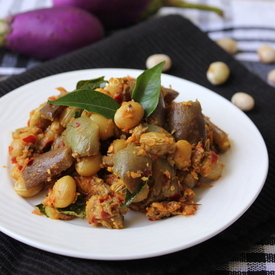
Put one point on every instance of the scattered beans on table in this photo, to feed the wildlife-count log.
(271, 77)
(218, 73)
(157, 58)
(228, 44)
(243, 101)
(266, 54)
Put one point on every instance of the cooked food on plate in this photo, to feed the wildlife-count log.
(117, 145)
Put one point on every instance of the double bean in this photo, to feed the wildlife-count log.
(182, 154)
(128, 115)
(21, 190)
(88, 166)
(106, 126)
(64, 192)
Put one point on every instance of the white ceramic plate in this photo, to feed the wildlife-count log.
(221, 205)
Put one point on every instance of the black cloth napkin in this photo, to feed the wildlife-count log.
(191, 52)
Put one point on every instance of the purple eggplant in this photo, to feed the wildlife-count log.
(50, 111)
(220, 138)
(49, 32)
(132, 167)
(43, 167)
(122, 13)
(186, 121)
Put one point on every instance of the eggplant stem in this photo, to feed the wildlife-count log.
(186, 5)
(4, 31)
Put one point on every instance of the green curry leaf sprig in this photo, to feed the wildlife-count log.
(91, 84)
(146, 92)
(147, 89)
(131, 196)
(89, 100)
(76, 209)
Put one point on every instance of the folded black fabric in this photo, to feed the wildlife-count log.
(191, 52)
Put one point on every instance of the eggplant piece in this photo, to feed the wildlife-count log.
(220, 138)
(187, 179)
(42, 168)
(132, 168)
(50, 111)
(169, 95)
(68, 114)
(211, 166)
(185, 120)
(82, 135)
(165, 179)
(164, 184)
(37, 120)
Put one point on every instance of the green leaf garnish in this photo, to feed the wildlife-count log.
(41, 208)
(91, 84)
(147, 89)
(92, 101)
(146, 92)
(131, 196)
(75, 209)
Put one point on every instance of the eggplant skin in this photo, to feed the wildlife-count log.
(220, 138)
(50, 111)
(51, 32)
(82, 135)
(128, 162)
(186, 121)
(42, 168)
(116, 13)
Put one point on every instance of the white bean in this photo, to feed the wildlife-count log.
(64, 192)
(16, 148)
(243, 101)
(117, 145)
(155, 59)
(21, 190)
(182, 154)
(271, 77)
(228, 44)
(266, 54)
(128, 115)
(88, 166)
(106, 126)
(217, 73)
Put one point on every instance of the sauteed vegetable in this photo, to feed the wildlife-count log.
(116, 145)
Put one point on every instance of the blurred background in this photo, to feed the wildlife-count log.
(250, 22)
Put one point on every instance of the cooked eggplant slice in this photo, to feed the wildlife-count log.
(165, 179)
(185, 120)
(43, 167)
(82, 135)
(164, 184)
(50, 111)
(220, 138)
(169, 95)
(132, 167)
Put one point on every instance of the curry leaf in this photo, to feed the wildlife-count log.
(75, 209)
(91, 83)
(147, 89)
(92, 101)
(131, 196)
(41, 208)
